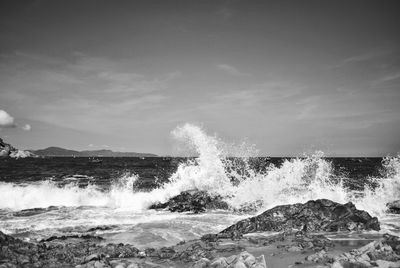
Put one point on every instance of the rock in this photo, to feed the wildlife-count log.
(202, 263)
(60, 252)
(219, 263)
(317, 257)
(295, 249)
(242, 260)
(387, 264)
(133, 265)
(315, 215)
(6, 150)
(337, 264)
(194, 201)
(240, 264)
(93, 257)
(377, 253)
(393, 207)
(33, 211)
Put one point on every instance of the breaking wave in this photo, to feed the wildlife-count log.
(214, 171)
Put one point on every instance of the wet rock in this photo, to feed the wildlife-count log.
(33, 211)
(393, 207)
(61, 252)
(381, 253)
(101, 228)
(65, 237)
(193, 201)
(315, 215)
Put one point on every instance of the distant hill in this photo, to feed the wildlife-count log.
(61, 152)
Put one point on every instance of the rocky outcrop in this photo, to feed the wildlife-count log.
(315, 215)
(6, 150)
(60, 252)
(242, 260)
(380, 253)
(393, 207)
(193, 201)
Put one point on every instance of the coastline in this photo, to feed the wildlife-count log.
(287, 248)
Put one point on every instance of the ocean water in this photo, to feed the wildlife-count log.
(111, 198)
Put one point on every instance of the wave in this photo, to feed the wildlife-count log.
(295, 180)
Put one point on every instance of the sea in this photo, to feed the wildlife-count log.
(110, 197)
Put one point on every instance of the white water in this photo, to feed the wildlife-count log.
(296, 180)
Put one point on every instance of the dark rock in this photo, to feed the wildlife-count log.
(33, 211)
(101, 228)
(318, 215)
(65, 237)
(393, 207)
(58, 252)
(194, 201)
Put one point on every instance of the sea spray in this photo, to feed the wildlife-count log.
(383, 189)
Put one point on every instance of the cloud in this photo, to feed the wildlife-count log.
(229, 69)
(6, 120)
(26, 127)
(361, 58)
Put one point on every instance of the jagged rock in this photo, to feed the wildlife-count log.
(315, 215)
(194, 201)
(65, 237)
(56, 252)
(381, 253)
(394, 207)
(242, 260)
(6, 150)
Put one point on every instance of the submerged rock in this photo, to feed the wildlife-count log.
(194, 201)
(394, 207)
(315, 215)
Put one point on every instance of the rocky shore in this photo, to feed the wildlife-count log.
(7, 150)
(284, 236)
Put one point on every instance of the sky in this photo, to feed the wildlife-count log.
(288, 76)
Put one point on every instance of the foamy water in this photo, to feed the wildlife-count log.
(296, 180)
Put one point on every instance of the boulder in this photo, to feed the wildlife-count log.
(192, 201)
(312, 216)
(242, 260)
(393, 207)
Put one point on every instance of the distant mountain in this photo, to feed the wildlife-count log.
(60, 152)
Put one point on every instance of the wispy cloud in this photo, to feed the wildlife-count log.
(229, 69)
(359, 58)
